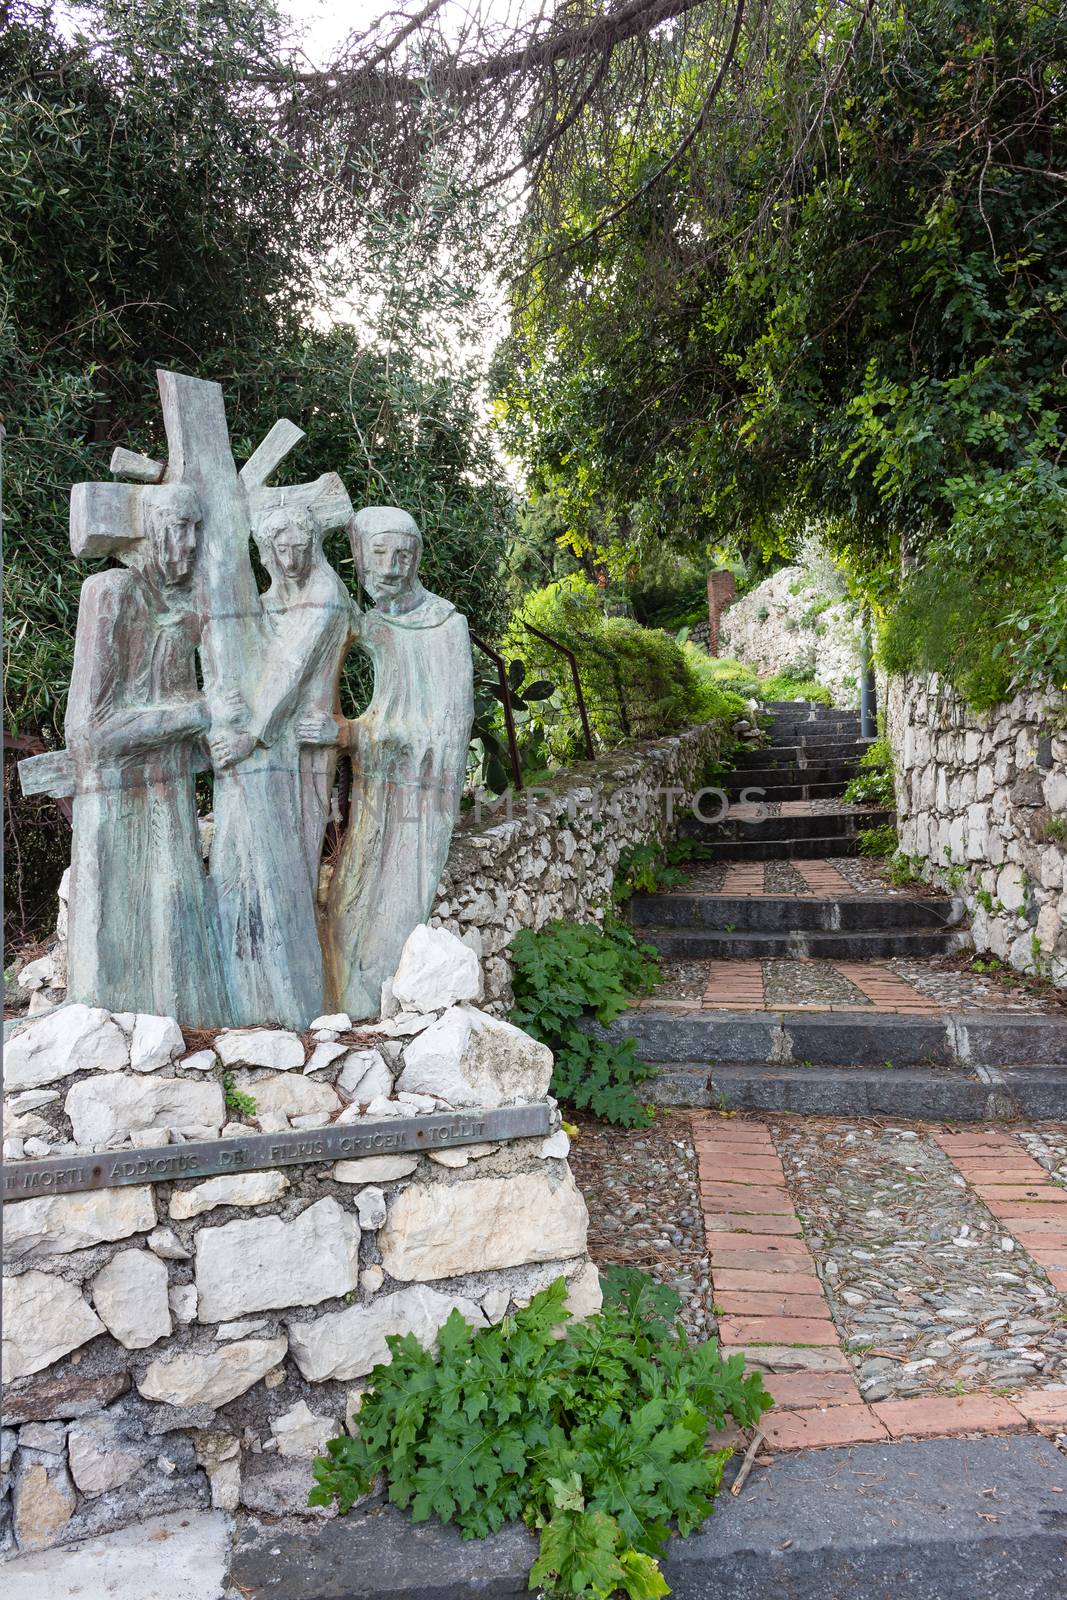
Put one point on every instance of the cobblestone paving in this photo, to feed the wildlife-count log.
(930, 1294)
(796, 982)
(781, 877)
(682, 980)
(867, 876)
(958, 990)
(644, 1207)
(1049, 1147)
(703, 877)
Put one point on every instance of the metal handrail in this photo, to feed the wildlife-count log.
(505, 695)
(579, 696)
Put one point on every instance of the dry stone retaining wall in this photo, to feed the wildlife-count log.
(557, 855)
(192, 1341)
(982, 798)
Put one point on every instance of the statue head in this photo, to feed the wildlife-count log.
(387, 547)
(286, 536)
(171, 519)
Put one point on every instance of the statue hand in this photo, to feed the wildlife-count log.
(318, 727)
(230, 745)
(234, 709)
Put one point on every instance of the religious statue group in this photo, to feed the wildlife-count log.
(182, 666)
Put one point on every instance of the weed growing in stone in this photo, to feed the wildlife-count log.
(595, 1439)
(567, 974)
(234, 1099)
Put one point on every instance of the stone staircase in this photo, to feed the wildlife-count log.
(796, 978)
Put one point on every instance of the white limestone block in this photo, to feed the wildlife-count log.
(375, 1169)
(324, 1055)
(472, 1059)
(365, 1076)
(238, 1189)
(265, 1262)
(282, 1096)
(106, 1110)
(101, 1458)
(438, 1230)
(156, 1042)
(211, 1377)
(436, 970)
(55, 1224)
(300, 1432)
(130, 1295)
(45, 1317)
(260, 1047)
(347, 1344)
(73, 1038)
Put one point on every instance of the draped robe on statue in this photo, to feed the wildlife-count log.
(409, 754)
(270, 819)
(143, 928)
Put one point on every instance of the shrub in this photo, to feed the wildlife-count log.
(784, 686)
(596, 1438)
(637, 682)
(879, 841)
(873, 785)
(567, 972)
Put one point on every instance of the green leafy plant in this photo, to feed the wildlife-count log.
(596, 1439)
(530, 698)
(904, 869)
(878, 841)
(873, 784)
(787, 686)
(567, 973)
(235, 1099)
(644, 868)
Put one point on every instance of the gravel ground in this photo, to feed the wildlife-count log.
(929, 1293)
(868, 875)
(959, 990)
(702, 877)
(796, 982)
(644, 1207)
(781, 877)
(682, 980)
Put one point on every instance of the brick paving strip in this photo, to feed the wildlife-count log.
(870, 985)
(767, 1289)
(1018, 1191)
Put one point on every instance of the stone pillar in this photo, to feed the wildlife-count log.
(722, 587)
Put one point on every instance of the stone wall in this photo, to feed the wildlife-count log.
(982, 800)
(791, 622)
(170, 1344)
(558, 853)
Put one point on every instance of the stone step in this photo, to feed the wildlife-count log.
(865, 1521)
(866, 1039)
(704, 944)
(913, 1093)
(809, 753)
(785, 913)
(805, 849)
(771, 792)
(806, 708)
(787, 730)
(817, 824)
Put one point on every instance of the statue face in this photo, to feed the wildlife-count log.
(388, 564)
(293, 548)
(175, 547)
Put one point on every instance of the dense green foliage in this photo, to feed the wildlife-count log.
(150, 216)
(638, 682)
(873, 784)
(596, 1438)
(845, 303)
(570, 973)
